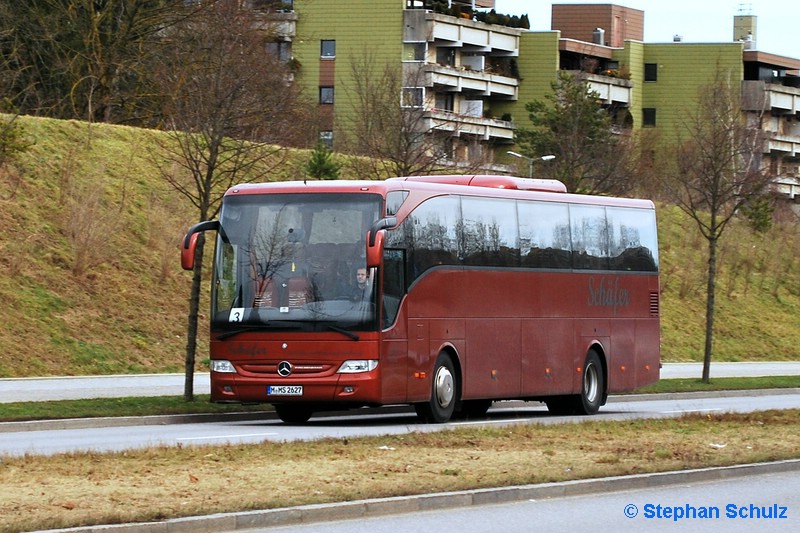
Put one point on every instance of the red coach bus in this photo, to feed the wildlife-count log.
(443, 292)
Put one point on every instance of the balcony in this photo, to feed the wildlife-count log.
(779, 99)
(444, 30)
(458, 125)
(282, 23)
(611, 90)
(788, 144)
(460, 79)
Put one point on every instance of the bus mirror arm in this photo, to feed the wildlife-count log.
(386, 222)
(190, 242)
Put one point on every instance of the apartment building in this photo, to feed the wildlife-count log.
(470, 77)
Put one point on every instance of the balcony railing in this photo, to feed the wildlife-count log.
(611, 90)
(485, 128)
(762, 96)
(480, 81)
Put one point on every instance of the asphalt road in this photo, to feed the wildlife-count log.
(105, 435)
(73, 388)
(765, 503)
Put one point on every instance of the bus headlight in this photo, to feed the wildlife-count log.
(358, 366)
(222, 365)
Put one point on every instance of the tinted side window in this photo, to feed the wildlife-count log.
(430, 234)
(589, 237)
(488, 233)
(633, 242)
(544, 235)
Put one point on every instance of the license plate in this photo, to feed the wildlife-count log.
(285, 390)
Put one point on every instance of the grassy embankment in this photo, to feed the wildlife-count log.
(91, 282)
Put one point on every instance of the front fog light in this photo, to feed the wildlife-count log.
(223, 366)
(357, 366)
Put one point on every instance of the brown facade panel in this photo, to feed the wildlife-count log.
(579, 22)
(325, 117)
(327, 73)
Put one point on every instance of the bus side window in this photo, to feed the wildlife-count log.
(394, 284)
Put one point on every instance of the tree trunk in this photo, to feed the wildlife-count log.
(710, 303)
(194, 310)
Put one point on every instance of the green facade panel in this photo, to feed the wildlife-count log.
(362, 29)
(682, 70)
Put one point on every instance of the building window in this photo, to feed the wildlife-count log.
(326, 95)
(414, 51)
(413, 97)
(327, 48)
(650, 72)
(326, 138)
(649, 117)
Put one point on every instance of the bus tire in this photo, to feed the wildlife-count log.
(292, 413)
(444, 393)
(592, 385)
(473, 409)
(591, 395)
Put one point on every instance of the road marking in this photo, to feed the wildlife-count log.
(240, 436)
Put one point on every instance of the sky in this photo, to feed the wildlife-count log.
(697, 21)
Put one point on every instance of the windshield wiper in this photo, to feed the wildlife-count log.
(244, 328)
(344, 332)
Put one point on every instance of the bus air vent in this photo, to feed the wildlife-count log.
(654, 304)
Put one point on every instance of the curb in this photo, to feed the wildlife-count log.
(307, 514)
(159, 420)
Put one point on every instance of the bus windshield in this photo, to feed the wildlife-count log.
(295, 262)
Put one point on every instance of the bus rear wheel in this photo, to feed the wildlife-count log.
(444, 393)
(293, 414)
(592, 384)
(591, 395)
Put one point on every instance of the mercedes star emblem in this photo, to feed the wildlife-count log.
(284, 368)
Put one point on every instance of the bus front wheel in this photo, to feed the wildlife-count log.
(293, 414)
(444, 393)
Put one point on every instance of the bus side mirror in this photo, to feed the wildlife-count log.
(375, 238)
(375, 249)
(189, 245)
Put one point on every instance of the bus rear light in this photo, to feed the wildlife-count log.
(223, 366)
(358, 366)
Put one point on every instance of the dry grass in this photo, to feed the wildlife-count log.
(90, 488)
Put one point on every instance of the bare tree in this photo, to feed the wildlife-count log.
(228, 103)
(719, 170)
(81, 58)
(390, 127)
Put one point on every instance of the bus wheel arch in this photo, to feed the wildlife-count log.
(445, 389)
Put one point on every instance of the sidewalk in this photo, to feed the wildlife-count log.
(120, 386)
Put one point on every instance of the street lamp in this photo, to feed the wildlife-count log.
(531, 160)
